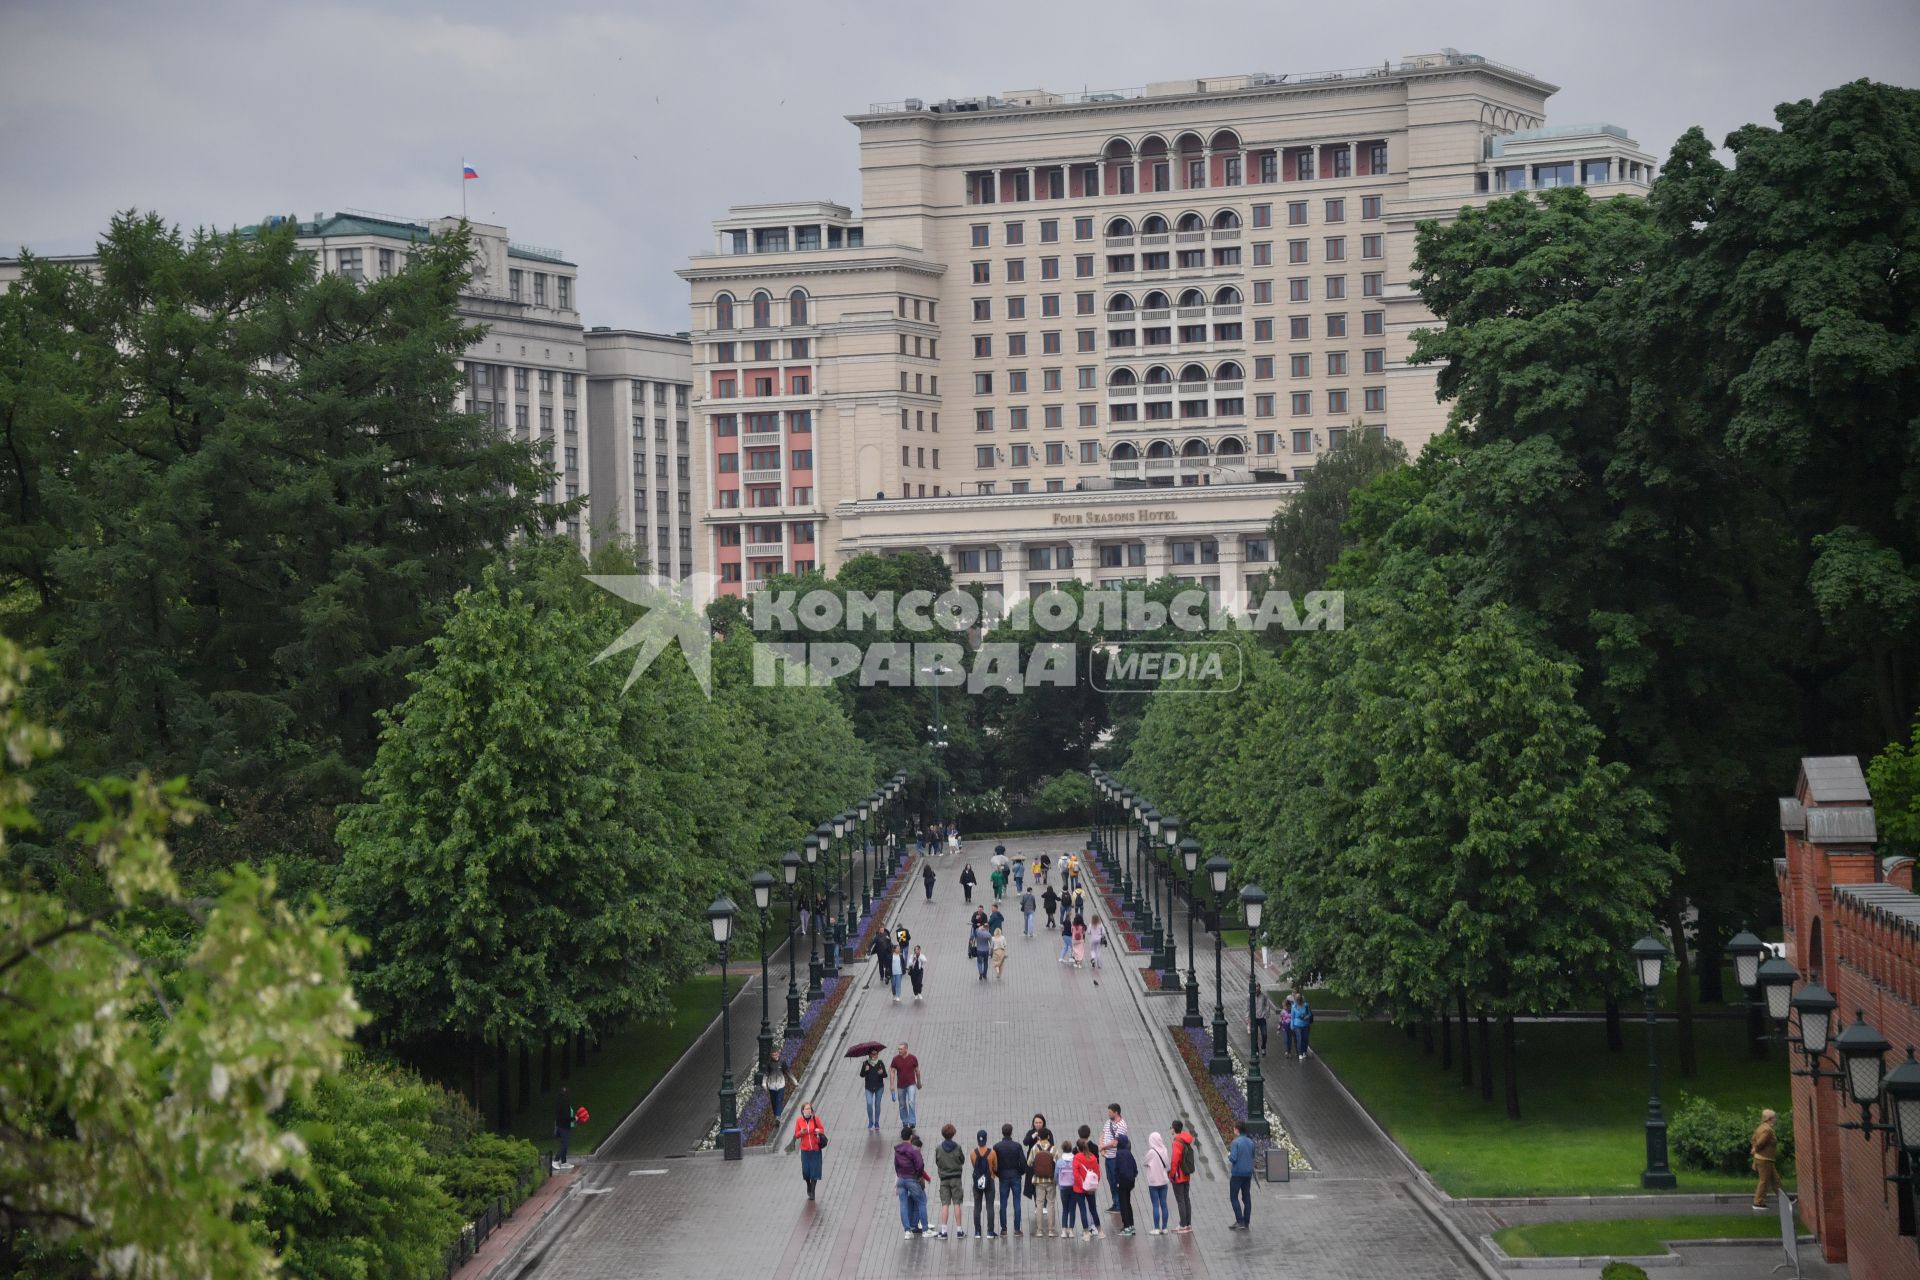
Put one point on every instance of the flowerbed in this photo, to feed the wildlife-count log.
(1156, 981)
(1225, 1095)
(1124, 923)
(756, 1116)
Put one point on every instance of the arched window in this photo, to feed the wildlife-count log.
(1192, 298)
(1153, 225)
(1120, 302)
(1119, 227)
(1225, 220)
(1194, 373)
(1231, 447)
(1228, 369)
(1195, 449)
(762, 309)
(1227, 295)
(723, 311)
(1124, 452)
(1226, 140)
(1122, 377)
(1158, 376)
(1154, 301)
(1190, 222)
(1159, 449)
(797, 307)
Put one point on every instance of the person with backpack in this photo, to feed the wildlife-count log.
(812, 1137)
(1040, 1166)
(777, 1081)
(1010, 1167)
(983, 1187)
(917, 972)
(1063, 1184)
(1181, 1176)
(968, 880)
(1124, 1171)
(1159, 1173)
(881, 949)
(563, 1126)
(1086, 1184)
(1302, 1022)
(951, 1163)
(995, 919)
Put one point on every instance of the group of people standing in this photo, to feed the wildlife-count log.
(937, 838)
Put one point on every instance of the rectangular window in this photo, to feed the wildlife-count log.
(1336, 437)
(1296, 213)
(1595, 171)
(1302, 404)
(1297, 289)
(1049, 230)
(1016, 344)
(1336, 402)
(1376, 157)
(1052, 416)
(1263, 215)
(1050, 345)
(1300, 365)
(1084, 377)
(1262, 331)
(1375, 399)
(1336, 249)
(1017, 418)
(1303, 442)
(1336, 364)
(546, 380)
(1296, 251)
(1020, 455)
(1369, 207)
(1373, 322)
(1089, 451)
(1342, 162)
(1263, 442)
(1373, 361)
(1297, 328)
(1262, 291)
(1083, 304)
(539, 288)
(1083, 266)
(1553, 175)
(1337, 325)
(1089, 415)
(1263, 366)
(1336, 211)
(565, 285)
(1263, 406)
(1016, 233)
(1084, 340)
(1228, 257)
(1336, 288)
(983, 457)
(1016, 270)
(979, 230)
(982, 273)
(1016, 381)
(1016, 308)
(1049, 268)
(1083, 228)
(983, 308)
(1056, 454)
(983, 419)
(1371, 284)
(1049, 304)
(514, 278)
(1263, 253)
(1373, 246)
(983, 384)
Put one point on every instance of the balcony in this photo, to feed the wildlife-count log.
(760, 439)
(1227, 233)
(765, 475)
(1189, 237)
(778, 550)
(1119, 242)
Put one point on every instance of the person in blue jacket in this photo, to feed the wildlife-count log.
(1240, 1178)
(1302, 1021)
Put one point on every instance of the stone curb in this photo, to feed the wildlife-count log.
(1501, 1259)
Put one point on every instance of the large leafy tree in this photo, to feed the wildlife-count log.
(1309, 531)
(145, 1061)
(239, 503)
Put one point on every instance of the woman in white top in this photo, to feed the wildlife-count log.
(1096, 939)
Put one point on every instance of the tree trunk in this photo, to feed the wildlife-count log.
(1446, 1039)
(546, 1067)
(1712, 989)
(502, 1097)
(526, 1079)
(1426, 1036)
(1615, 1041)
(1682, 988)
(566, 1058)
(1466, 1043)
(1486, 1059)
(473, 1077)
(579, 1048)
(1511, 1067)
(1412, 1029)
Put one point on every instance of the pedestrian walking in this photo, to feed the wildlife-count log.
(563, 1126)
(777, 1082)
(1302, 1022)
(999, 946)
(995, 918)
(812, 1137)
(1051, 901)
(910, 1183)
(1027, 904)
(1240, 1177)
(998, 879)
(1086, 1183)
(806, 916)
(1040, 1174)
(1079, 902)
(906, 1085)
(1046, 867)
(881, 949)
(926, 1187)
(1066, 942)
(1125, 1172)
(968, 880)
(1110, 1135)
(1010, 1167)
(1262, 1015)
(1159, 1173)
(1035, 873)
(950, 1161)
(1765, 1149)
(1079, 943)
(873, 1073)
(900, 940)
(1019, 873)
(1181, 1176)
(1286, 1025)
(917, 972)
(983, 1187)
(953, 839)
(1096, 939)
(899, 971)
(1063, 1184)
(926, 878)
(981, 948)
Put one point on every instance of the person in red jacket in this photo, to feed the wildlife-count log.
(812, 1136)
(1086, 1181)
(1180, 1178)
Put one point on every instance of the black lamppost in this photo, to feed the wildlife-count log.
(830, 929)
(1219, 1064)
(938, 730)
(866, 854)
(1649, 955)
(1093, 814)
(1150, 840)
(1130, 881)
(720, 915)
(1170, 960)
(814, 972)
(763, 882)
(1190, 855)
(1253, 902)
(790, 871)
(1746, 951)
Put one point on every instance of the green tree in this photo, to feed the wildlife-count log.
(1309, 530)
(239, 503)
(141, 1094)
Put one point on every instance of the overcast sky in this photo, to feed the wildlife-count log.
(618, 132)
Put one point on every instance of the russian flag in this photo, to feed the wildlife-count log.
(466, 171)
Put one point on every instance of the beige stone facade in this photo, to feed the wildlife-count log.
(1051, 305)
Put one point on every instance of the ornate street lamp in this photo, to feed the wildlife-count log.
(830, 934)
(1190, 855)
(1649, 957)
(720, 915)
(1815, 1005)
(1863, 1063)
(1253, 902)
(790, 863)
(1746, 950)
(1129, 880)
(763, 882)
(1150, 893)
(867, 806)
(842, 827)
(1776, 978)
(1217, 870)
(814, 970)
(1902, 1087)
(1169, 960)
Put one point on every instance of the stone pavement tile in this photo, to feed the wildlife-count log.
(1044, 1039)
(507, 1236)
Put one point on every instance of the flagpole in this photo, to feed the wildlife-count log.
(463, 188)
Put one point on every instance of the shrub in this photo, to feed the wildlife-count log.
(486, 1166)
(1064, 798)
(1622, 1271)
(1708, 1139)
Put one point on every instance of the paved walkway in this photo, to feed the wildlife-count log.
(1046, 1039)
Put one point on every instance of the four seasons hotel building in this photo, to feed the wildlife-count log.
(1096, 335)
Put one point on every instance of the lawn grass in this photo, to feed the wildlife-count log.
(627, 1065)
(1582, 1108)
(1631, 1237)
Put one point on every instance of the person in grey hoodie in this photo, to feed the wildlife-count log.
(1028, 904)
